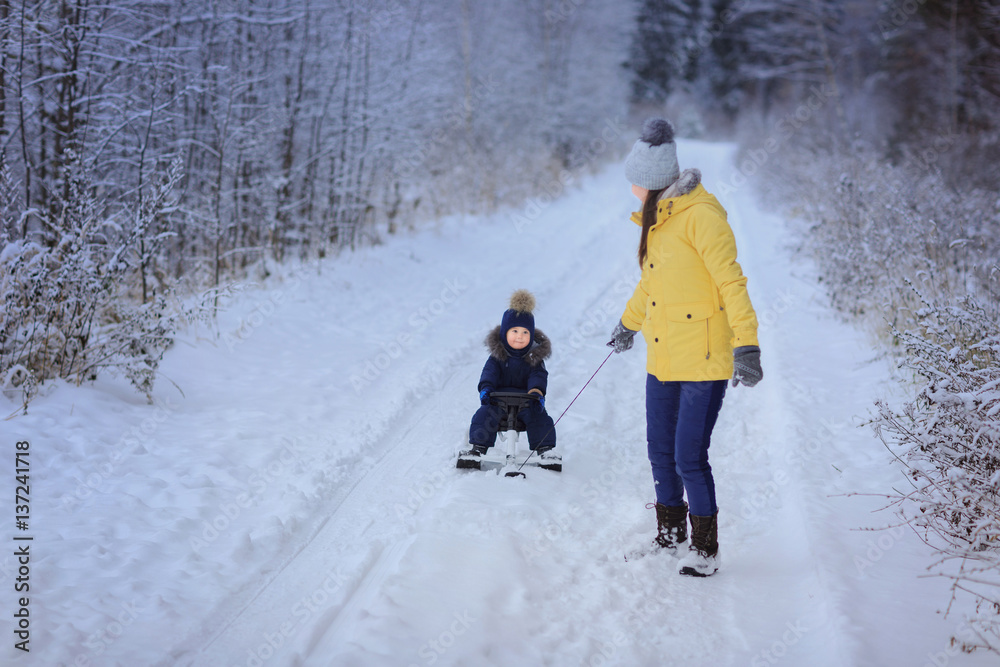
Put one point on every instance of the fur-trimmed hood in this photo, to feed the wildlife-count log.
(685, 184)
(540, 350)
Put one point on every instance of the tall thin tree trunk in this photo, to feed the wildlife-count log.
(340, 179)
(362, 187)
(23, 123)
(217, 205)
(143, 259)
(831, 72)
(4, 56)
(954, 76)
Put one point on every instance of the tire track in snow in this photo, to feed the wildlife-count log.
(332, 628)
(252, 620)
(230, 615)
(780, 503)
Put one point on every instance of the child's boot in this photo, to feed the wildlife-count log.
(549, 458)
(471, 458)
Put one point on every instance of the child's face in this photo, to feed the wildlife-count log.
(518, 337)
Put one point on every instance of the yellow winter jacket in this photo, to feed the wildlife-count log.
(691, 303)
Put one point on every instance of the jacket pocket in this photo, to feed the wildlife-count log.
(688, 312)
(687, 334)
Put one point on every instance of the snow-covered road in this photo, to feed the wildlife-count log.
(298, 505)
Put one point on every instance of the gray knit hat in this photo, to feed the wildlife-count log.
(652, 164)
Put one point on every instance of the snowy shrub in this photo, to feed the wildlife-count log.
(66, 308)
(872, 224)
(948, 441)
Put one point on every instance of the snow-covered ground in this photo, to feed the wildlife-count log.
(298, 503)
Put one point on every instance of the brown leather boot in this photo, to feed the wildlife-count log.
(671, 526)
(702, 559)
(671, 531)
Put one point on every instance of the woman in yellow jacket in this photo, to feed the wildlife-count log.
(692, 307)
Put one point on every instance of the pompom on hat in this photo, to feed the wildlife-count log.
(522, 303)
(652, 163)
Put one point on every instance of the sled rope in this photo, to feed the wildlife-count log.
(568, 407)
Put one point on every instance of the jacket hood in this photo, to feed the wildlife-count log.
(540, 349)
(688, 183)
(685, 184)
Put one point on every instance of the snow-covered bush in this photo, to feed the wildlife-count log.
(66, 307)
(948, 441)
(872, 223)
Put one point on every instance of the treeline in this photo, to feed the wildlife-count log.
(156, 148)
(876, 128)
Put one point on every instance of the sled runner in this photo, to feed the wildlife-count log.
(510, 459)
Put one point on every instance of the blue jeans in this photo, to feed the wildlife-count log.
(680, 417)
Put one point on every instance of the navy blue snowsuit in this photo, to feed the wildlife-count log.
(514, 370)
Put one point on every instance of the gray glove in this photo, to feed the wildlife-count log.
(746, 365)
(621, 338)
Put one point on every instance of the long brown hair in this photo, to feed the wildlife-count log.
(648, 220)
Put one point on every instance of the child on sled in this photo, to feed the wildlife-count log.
(516, 363)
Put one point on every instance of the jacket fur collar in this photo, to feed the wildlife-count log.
(540, 349)
(685, 184)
